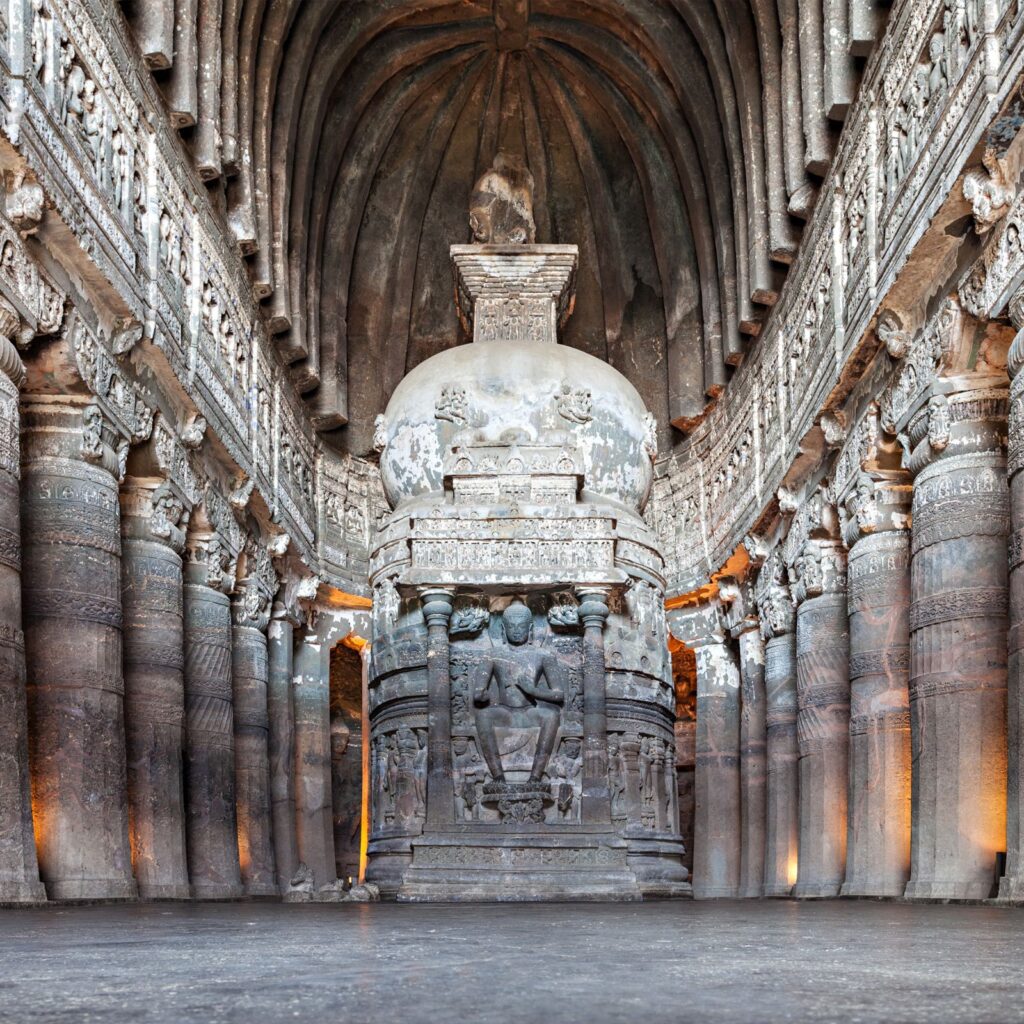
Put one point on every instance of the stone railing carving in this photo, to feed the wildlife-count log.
(930, 91)
(92, 133)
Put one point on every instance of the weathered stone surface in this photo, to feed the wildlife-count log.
(878, 847)
(19, 869)
(154, 663)
(281, 747)
(71, 570)
(212, 830)
(958, 628)
(312, 696)
(823, 717)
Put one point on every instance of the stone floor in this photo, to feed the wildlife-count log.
(673, 962)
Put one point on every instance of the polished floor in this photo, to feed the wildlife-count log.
(673, 962)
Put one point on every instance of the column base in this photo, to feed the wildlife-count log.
(816, 890)
(1011, 890)
(156, 893)
(947, 890)
(218, 892)
(262, 890)
(777, 891)
(22, 894)
(751, 892)
(721, 892)
(873, 889)
(91, 889)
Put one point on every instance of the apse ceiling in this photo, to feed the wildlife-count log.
(678, 143)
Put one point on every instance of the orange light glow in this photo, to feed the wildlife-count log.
(364, 821)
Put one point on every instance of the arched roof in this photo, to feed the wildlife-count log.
(677, 142)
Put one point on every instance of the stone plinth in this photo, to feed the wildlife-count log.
(753, 761)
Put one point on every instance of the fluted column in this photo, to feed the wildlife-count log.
(778, 624)
(154, 661)
(281, 744)
(19, 869)
(823, 716)
(878, 599)
(71, 586)
(1011, 885)
(313, 802)
(250, 669)
(209, 720)
(716, 834)
(958, 631)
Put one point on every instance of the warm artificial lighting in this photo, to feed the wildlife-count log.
(364, 819)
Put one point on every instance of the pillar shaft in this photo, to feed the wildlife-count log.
(437, 610)
(595, 803)
(1011, 885)
(313, 804)
(252, 760)
(782, 754)
(281, 748)
(151, 591)
(823, 722)
(958, 662)
(72, 611)
(878, 846)
(19, 869)
(716, 854)
(209, 747)
(753, 766)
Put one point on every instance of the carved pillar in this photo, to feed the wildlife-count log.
(209, 720)
(151, 591)
(19, 870)
(753, 767)
(716, 838)
(878, 600)
(250, 668)
(823, 707)
(958, 631)
(281, 744)
(313, 805)
(437, 610)
(72, 609)
(595, 802)
(1011, 885)
(782, 827)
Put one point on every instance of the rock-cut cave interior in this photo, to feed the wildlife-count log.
(511, 510)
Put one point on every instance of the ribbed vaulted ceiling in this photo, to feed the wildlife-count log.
(675, 141)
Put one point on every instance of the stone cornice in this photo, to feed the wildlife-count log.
(897, 165)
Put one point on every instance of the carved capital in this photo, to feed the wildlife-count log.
(773, 597)
(152, 510)
(437, 606)
(877, 504)
(593, 609)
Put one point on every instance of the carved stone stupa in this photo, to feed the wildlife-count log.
(521, 703)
